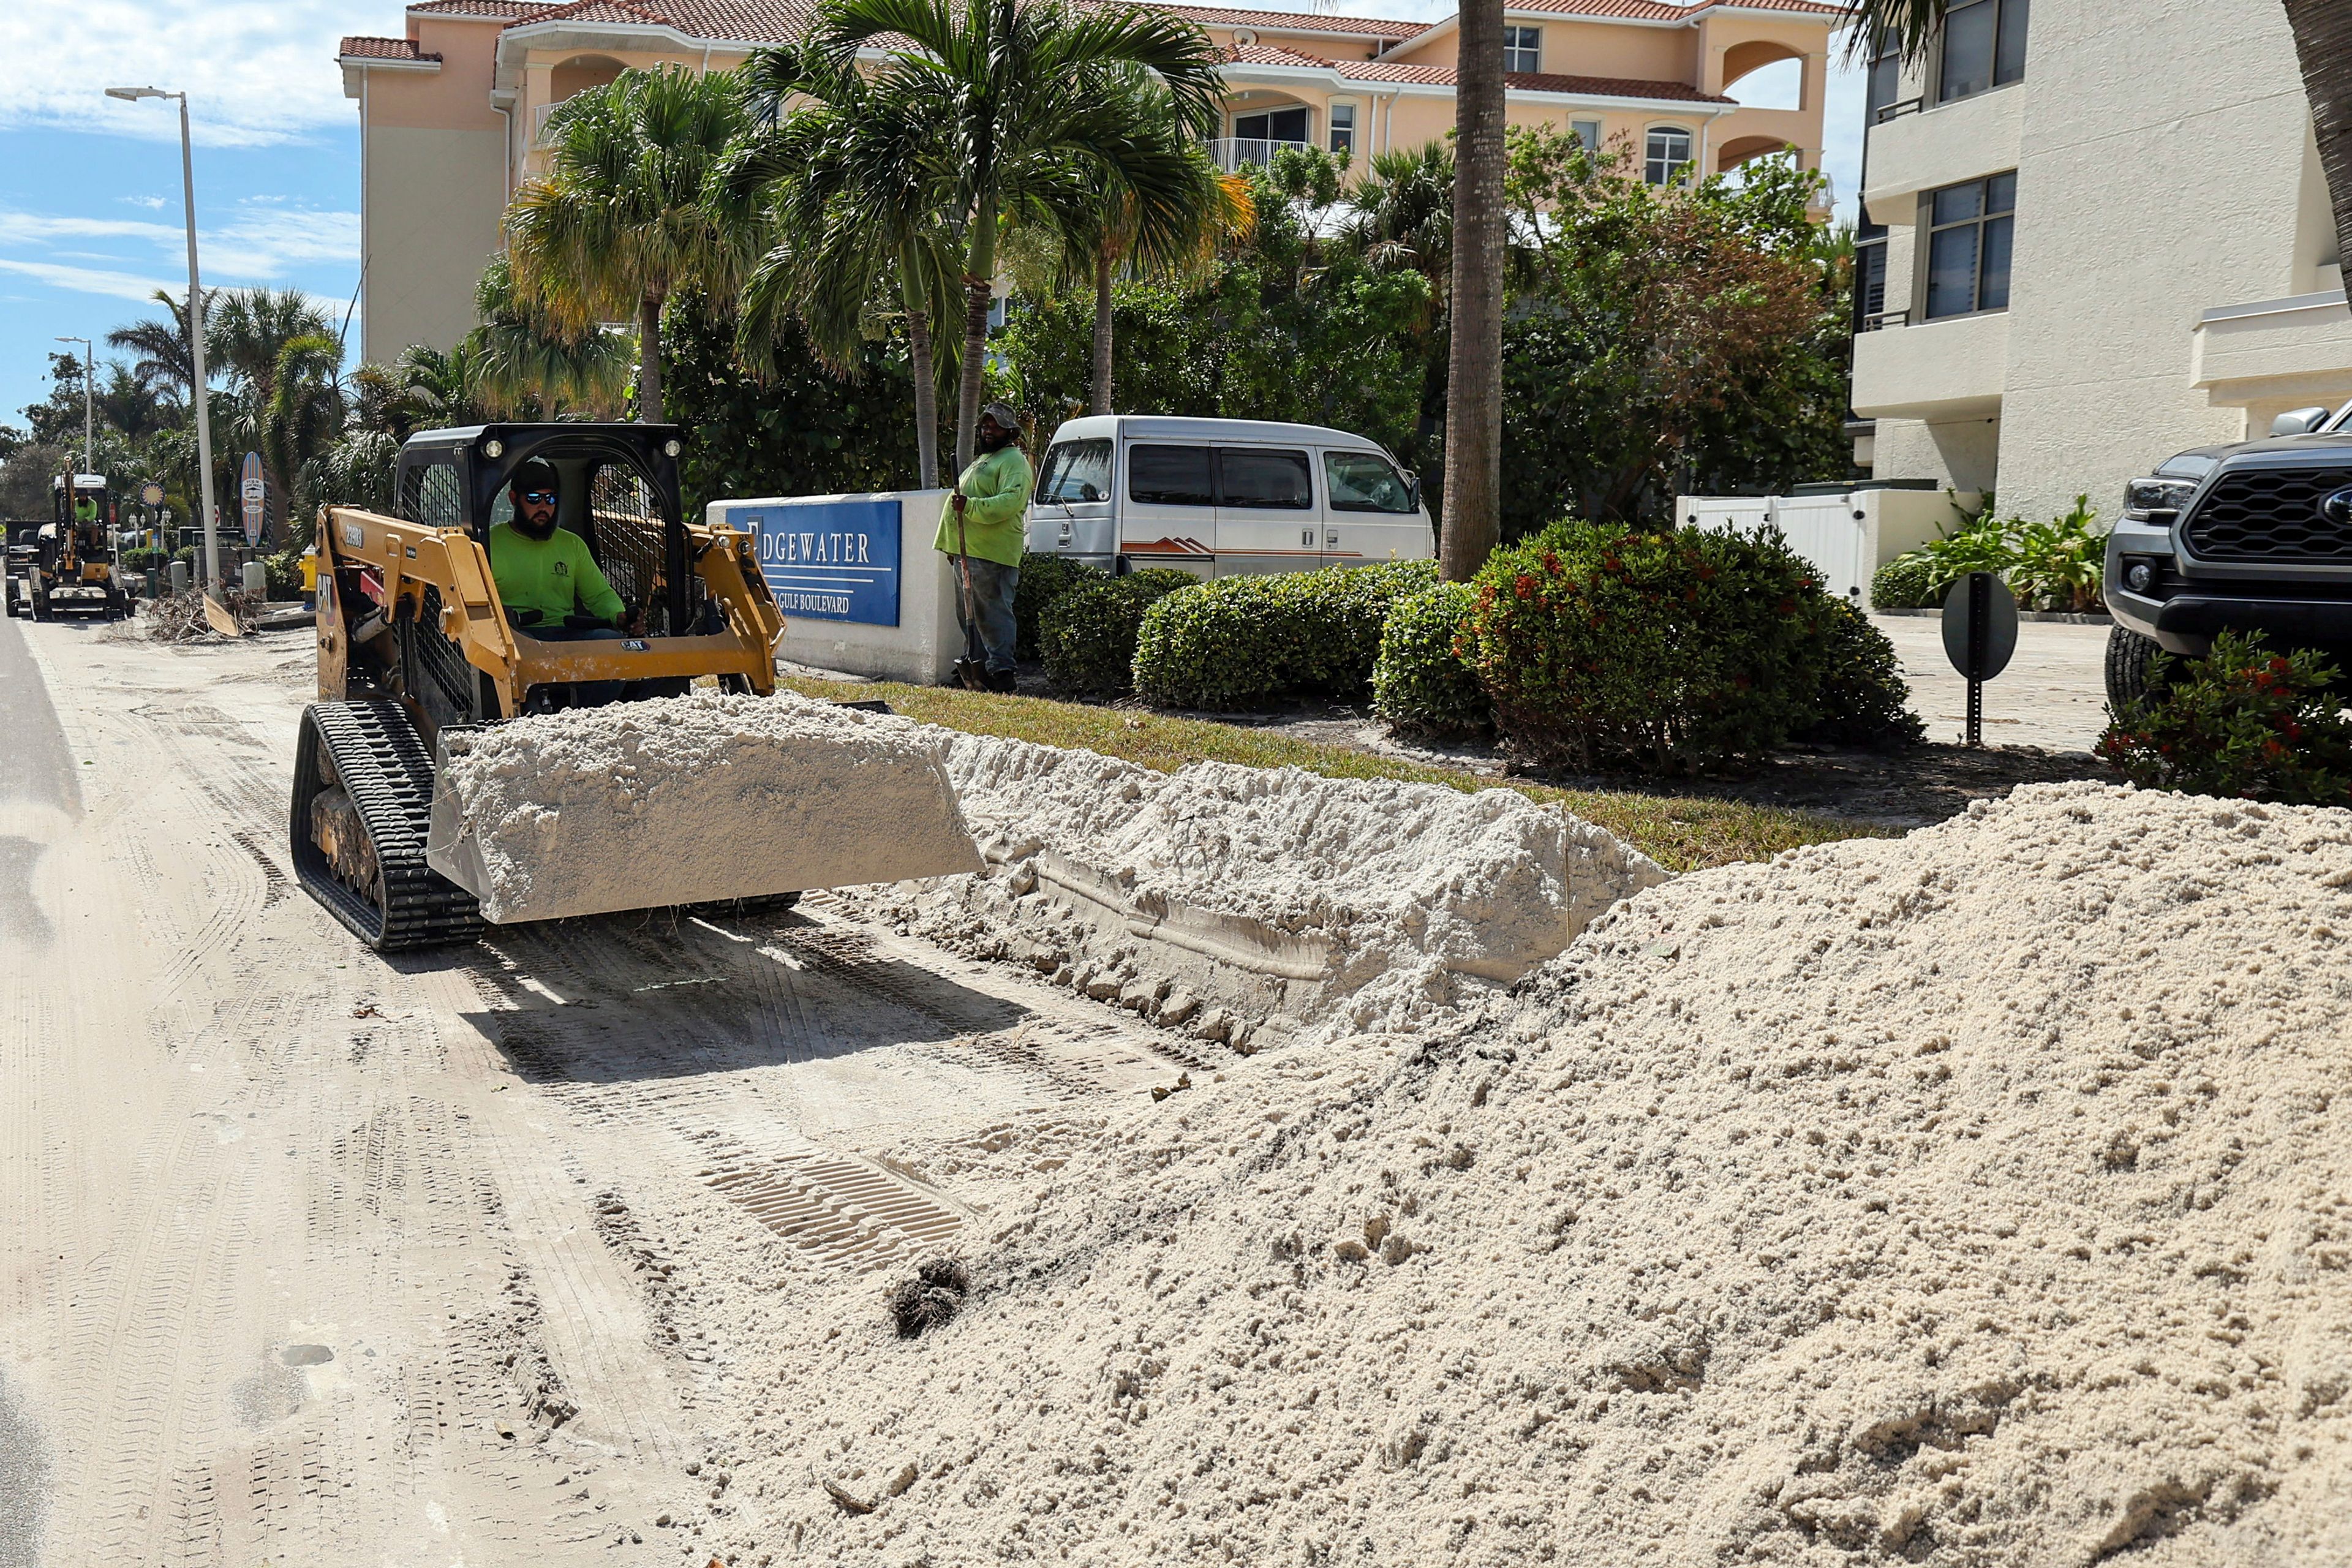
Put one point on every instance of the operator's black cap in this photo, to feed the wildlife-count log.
(534, 474)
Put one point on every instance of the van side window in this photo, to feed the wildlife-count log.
(1363, 481)
(1254, 477)
(1076, 471)
(1169, 476)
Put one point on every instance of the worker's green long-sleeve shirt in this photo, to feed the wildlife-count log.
(556, 576)
(996, 493)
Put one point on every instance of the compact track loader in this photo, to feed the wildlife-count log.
(71, 567)
(417, 652)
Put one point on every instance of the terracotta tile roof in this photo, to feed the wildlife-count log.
(1521, 81)
(1298, 22)
(733, 21)
(1275, 54)
(383, 49)
(501, 10)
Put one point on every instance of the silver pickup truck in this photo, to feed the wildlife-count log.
(2252, 537)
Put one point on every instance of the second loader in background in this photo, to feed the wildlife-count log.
(418, 656)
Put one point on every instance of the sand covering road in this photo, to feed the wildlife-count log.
(1244, 904)
(1979, 1198)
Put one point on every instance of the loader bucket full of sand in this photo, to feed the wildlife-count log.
(687, 800)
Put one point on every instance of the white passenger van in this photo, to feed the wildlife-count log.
(1219, 498)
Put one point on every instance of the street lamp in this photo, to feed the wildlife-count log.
(89, 373)
(195, 327)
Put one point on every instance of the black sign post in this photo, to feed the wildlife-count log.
(1979, 635)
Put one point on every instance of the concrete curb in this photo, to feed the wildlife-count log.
(2057, 617)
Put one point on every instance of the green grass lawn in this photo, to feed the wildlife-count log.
(1681, 832)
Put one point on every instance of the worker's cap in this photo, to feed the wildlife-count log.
(1003, 415)
(535, 475)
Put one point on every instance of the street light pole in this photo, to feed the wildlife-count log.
(196, 328)
(89, 373)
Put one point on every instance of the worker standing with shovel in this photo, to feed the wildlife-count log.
(981, 531)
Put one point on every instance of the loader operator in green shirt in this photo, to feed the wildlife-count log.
(546, 578)
(982, 530)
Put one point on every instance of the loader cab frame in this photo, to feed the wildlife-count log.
(619, 491)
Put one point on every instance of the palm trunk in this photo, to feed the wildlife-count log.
(979, 273)
(1102, 330)
(927, 383)
(2323, 45)
(649, 360)
(1474, 430)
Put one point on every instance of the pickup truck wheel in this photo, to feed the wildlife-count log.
(2131, 673)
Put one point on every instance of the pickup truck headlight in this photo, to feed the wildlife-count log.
(2145, 498)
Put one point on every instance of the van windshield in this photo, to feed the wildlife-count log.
(1363, 481)
(1076, 471)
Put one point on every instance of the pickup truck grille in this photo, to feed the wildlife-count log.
(2271, 514)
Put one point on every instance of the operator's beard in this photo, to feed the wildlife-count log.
(523, 526)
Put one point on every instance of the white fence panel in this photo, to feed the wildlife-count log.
(1835, 536)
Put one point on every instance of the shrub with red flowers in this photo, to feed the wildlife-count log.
(1662, 652)
(2243, 722)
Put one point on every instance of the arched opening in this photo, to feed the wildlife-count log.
(1747, 149)
(1772, 76)
(580, 73)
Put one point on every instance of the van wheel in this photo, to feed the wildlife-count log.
(2131, 669)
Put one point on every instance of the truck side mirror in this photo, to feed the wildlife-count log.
(1412, 490)
(2299, 421)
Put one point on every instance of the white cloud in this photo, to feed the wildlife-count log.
(92, 280)
(261, 240)
(255, 71)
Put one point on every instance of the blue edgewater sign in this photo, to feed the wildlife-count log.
(828, 560)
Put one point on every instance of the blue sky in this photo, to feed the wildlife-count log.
(89, 187)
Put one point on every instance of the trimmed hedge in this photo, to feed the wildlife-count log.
(1864, 700)
(1238, 641)
(1086, 634)
(1419, 685)
(1906, 583)
(1657, 651)
(1043, 579)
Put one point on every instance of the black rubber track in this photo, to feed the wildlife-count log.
(383, 767)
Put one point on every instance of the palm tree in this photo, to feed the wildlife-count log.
(632, 208)
(247, 328)
(857, 180)
(1034, 96)
(2322, 30)
(163, 359)
(1405, 213)
(302, 419)
(1472, 521)
(523, 359)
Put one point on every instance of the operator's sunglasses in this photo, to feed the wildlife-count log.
(538, 495)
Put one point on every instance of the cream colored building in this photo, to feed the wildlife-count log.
(451, 111)
(2107, 239)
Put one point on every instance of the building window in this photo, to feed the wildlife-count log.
(1343, 128)
(1586, 133)
(1869, 277)
(1885, 74)
(1666, 156)
(1523, 50)
(1273, 125)
(1969, 228)
(1983, 48)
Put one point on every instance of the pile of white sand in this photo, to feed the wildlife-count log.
(690, 799)
(1980, 1198)
(1225, 900)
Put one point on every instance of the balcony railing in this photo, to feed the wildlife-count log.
(1231, 153)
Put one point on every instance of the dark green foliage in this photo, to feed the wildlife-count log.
(1243, 640)
(1906, 583)
(2243, 722)
(285, 570)
(1864, 700)
(1086, 635)
(1663, 340)
(1655, 651)
(1421, 686)
(801, 432)
(1043, 579)
(1297, 321)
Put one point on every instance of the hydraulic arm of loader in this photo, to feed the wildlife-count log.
(408, 557)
